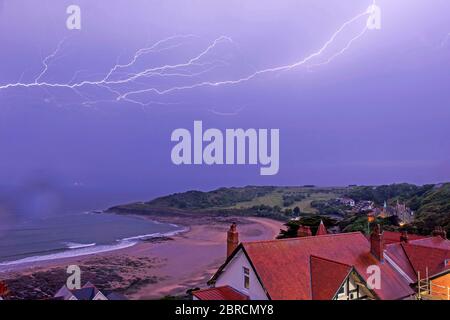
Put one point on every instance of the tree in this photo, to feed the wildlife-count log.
(310, 220)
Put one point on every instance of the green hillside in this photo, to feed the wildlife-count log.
(266, 201)
(431, 204)
(432, 209)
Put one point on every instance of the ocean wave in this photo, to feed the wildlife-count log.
(70, 253)
(79, 249)
(74, 245)
(156, 235)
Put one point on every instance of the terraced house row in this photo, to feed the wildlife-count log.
(334, 267)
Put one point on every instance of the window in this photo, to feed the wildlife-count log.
(341, 294)
(246, 278)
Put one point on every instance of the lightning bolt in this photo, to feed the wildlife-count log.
(47, 60)
(160, 70)
(152, 71)
(263, 71)
(342, 51)
(115, 77)
(144, 51)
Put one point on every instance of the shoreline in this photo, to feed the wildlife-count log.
(85, 250)
(157, 267)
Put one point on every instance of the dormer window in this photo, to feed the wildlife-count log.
(246, 278)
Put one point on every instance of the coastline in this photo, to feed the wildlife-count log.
(153, 268)
(75, 250)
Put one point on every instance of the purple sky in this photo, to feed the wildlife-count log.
(378, 113)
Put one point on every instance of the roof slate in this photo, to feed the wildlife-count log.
(283, 265)
(219, 293)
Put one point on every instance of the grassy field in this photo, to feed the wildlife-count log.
(305, 205)
(266, 200)
(275, 198)
(430, 203)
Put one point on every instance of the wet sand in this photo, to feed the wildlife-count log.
(152, 269)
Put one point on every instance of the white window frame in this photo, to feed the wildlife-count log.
(246, 275)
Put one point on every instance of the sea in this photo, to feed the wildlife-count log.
(72, 235)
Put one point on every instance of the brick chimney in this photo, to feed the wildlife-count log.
(232, 239)
(404, 236)
(377, 242)
(440, 231)
(304, 231)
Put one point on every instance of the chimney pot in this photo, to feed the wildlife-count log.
(304, 231)
(440, 231)
(404, 237)
(377, 242)
(232, 239)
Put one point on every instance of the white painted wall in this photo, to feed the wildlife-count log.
(233, 276)
(352, 286)
(100, 296)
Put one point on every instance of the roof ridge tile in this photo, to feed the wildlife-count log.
(304, 238)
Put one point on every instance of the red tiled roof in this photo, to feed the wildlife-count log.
(397, 254)
(432, 242)
(219, 293)
(422, 258)
(283, 265)
(321, 230)
(417, 255)
(327, 277)
(394, 237)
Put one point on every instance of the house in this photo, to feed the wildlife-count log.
(321, 230)
(305, 231)
(347, 202)
(87, 292)
(363, 206)
(423, 262)
(401, 211)
(346, 266)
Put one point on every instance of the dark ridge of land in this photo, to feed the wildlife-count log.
(431, 204)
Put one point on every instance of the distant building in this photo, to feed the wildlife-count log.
(87, 292)
(305, 231)
(405, 214)
(333, 267)
(364, 206)
(321, 230)
(346, 201)
(401, 211)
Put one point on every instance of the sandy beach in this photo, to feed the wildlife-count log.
(148, 270)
